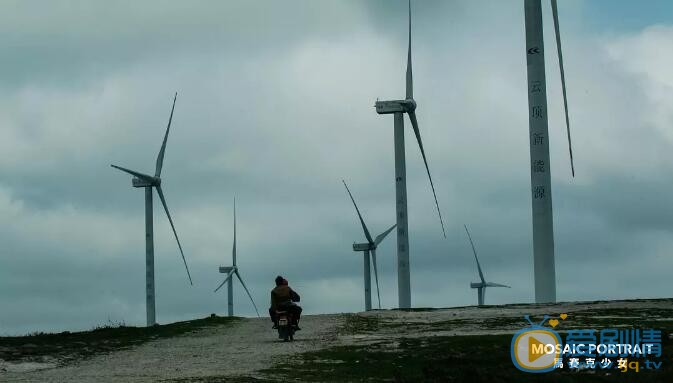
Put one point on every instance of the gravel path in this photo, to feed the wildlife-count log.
(228, 351)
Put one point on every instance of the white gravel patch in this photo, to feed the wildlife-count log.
(24, 366)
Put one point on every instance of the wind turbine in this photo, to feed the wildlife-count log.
(367, 248)
(148, 182)
(480, 286)
(540, 175)
(230, 271)
(398, 108)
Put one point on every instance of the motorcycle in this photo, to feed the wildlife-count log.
(286, 329)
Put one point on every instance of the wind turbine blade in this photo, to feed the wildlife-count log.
(163, 202)
(376, 276)
(246, 290)
(554, 9)
(364, 227)
(414, 123)
(225, 280)
(381, 236)
(160, 157)
(134, 173)
(481, 275)
(220, 286)
(233, 251)
(491, 284)
(410, 77)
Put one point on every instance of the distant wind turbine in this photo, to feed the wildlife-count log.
(480, 286)
(148, 182)
(366, 248)
(230, 271)
(398, 108)
(541, 193)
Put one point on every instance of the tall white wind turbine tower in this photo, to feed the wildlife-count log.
(230, 271)
(540, 175)
(482, 284)
(398, 108)
(368, 248)
(148, 182)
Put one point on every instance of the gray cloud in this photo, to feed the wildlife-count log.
(275, 107)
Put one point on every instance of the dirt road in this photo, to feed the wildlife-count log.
(228, 351)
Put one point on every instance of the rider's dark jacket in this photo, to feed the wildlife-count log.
(281, 295)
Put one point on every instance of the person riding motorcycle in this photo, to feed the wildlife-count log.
(283, 298)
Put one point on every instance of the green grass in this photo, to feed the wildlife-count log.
(357, 324)
(441, 359)
(637, 317)
(591, 318)
(73, 346)
(482, 358)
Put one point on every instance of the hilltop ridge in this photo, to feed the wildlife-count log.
(462, 343)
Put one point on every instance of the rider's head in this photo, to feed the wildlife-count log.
(279, 280)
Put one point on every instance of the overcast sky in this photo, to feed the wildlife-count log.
(275, 107)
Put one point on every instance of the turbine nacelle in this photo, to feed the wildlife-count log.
(138, 182)
(364, 246)
(227, 269)
(476, 285)
(395, 106)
